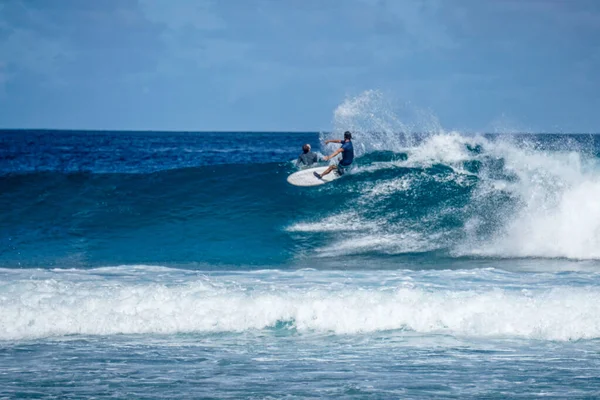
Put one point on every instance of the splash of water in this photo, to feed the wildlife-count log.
(379, 123)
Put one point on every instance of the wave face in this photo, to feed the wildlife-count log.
(92, 200)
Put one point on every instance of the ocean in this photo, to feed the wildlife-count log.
(183, 265)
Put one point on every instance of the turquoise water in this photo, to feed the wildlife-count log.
(161, 265)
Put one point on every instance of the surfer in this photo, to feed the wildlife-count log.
(347, 151)
(307, 158)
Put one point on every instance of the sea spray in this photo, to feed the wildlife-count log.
(380, 122)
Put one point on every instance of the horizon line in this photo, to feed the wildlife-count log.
(269, 131)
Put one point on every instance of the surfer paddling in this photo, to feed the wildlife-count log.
(347, 151)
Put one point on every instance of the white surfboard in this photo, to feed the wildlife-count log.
(306, 177)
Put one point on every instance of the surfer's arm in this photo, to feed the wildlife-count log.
(338, 151)
(333, 141)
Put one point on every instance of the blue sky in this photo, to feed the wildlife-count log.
(478, 65)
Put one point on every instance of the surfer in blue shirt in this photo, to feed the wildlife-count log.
(347, 151)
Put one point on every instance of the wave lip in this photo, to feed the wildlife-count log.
(45, 308)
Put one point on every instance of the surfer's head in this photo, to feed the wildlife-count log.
(306, 148)
(347, 135)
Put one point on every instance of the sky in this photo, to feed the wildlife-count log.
(286, 65)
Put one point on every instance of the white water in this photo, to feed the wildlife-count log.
(479, 303)
(558, 216)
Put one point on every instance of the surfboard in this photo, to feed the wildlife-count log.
(306, 177)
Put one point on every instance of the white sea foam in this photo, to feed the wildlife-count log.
(558, 215)
(343, 222)
(387, 187)
(40, 308)
(446, 148)
(408, 241)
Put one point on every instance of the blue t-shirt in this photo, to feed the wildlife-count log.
(347, 154)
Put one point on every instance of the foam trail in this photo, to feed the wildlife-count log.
(50, 307)
(349, 221)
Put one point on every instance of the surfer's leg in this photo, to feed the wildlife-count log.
(328, 170)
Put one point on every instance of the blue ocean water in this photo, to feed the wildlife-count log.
(183, 265)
